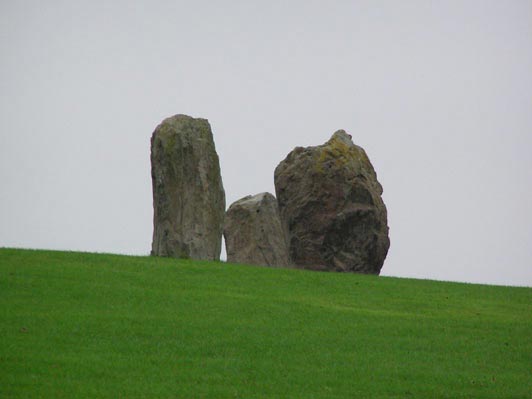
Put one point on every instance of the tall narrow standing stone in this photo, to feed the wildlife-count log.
(330, 201)
(188, 194)
(254, 233)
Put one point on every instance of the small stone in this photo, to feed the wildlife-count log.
(253, 232)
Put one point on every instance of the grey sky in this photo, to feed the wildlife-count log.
(438, 93)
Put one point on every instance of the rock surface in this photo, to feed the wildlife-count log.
(330, 201)
(253, 232)
(188, 194)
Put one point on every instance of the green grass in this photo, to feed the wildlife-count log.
(75, 325)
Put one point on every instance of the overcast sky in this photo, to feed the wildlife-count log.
(439, 93)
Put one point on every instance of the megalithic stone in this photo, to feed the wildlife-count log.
(188, 194)
(330, 200)
(254, 233)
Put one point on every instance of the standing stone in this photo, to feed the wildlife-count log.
(188, 194)
(253, 232)
(330, 201)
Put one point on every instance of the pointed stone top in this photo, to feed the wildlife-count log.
(343, 137)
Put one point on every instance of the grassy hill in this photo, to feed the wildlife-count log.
(76, 325)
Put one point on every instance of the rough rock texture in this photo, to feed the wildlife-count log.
(253, 232)
(330, 201)
(188, 194)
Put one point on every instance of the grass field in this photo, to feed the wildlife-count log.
(80, 325)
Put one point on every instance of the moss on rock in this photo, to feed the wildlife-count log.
(335, 215)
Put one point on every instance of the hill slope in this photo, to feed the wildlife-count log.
(89, 325)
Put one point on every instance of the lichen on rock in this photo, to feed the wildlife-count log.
(188, 194)
(330, 201)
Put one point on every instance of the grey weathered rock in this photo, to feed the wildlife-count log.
(188, 194)
(253, 232)
(330, 200)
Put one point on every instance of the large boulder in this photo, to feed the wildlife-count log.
(253, 232)
(188, 194)
(330, 201)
